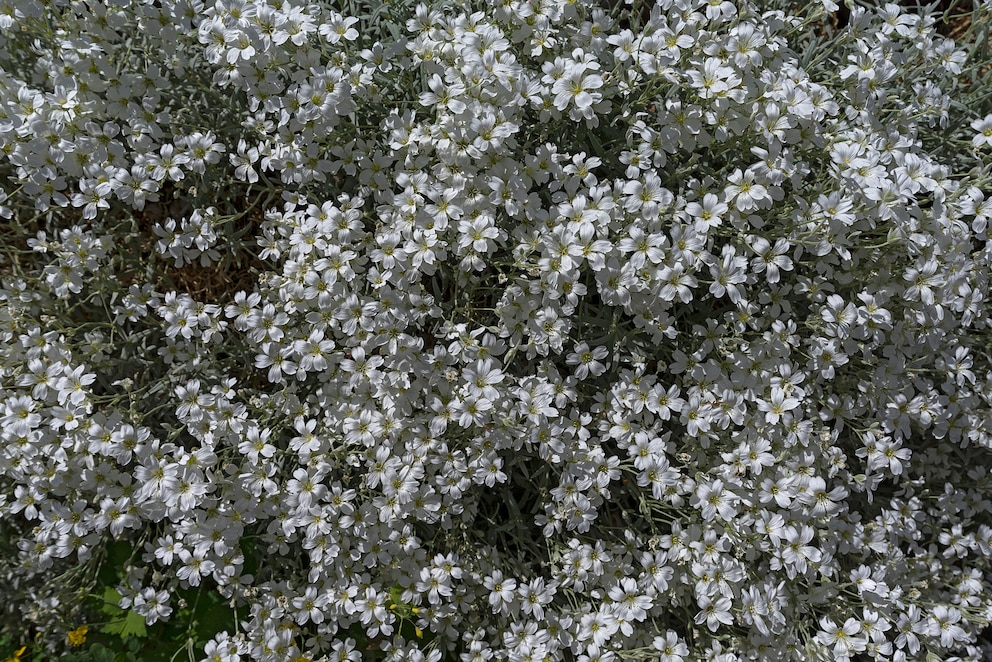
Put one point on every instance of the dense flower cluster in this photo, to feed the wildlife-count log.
(575, 332)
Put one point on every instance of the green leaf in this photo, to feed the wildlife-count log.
(95, 653)
(132, 625)
(213, 615)
(102, 654)
(118, 553)
(111, 601)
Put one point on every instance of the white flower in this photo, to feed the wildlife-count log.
(221, 648)
(747, 194)
(478, 234)
(646, 195)
(714, 499)
(579, 88)
(714, 612)
(337, 27)
(945, 625)
(597, 627)
(630, 603)
(708, 213)
(72, 385)
(153, 605)
(19, 415)
(195, 566)
(116, 515)
(588, 360)
(167, 549)
(444, 96)
(313, 351)
(983, 127)
(502, 591)
(795, 552)
(845, 639)
(534, 595)
(671, 646)
(310, 606)
(777, 405)
(713, 79)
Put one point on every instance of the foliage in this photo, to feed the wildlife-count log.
(494, 330)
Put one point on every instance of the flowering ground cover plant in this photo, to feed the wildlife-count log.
(522, 330)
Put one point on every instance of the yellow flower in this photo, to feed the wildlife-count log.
(16, 657)
(77, 637)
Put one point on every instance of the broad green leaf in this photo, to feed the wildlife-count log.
(132, 625)
(111, 601)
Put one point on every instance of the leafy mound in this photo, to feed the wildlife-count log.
(519, 330)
